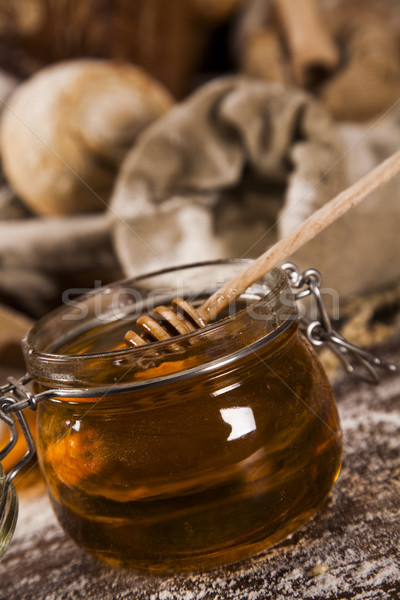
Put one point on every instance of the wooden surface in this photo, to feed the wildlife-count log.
(349, 550)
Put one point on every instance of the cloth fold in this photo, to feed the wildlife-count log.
(41, 257)
(209, 179)
(241, 163)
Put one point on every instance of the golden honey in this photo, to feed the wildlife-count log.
(188, 453)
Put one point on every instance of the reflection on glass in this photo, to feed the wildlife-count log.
(241, 419)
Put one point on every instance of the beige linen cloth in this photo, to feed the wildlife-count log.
(240, 163)
(40, 258)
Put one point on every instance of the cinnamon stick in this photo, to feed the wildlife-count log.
(311, 47)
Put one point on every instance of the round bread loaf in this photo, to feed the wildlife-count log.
(66, 130)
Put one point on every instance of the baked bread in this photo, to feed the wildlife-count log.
(65, 132)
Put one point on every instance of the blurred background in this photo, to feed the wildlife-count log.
(140, 134)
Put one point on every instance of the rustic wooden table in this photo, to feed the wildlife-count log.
(349, 550)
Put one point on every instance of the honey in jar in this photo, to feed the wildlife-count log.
(188, 453)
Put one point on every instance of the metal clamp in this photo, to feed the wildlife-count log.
(320, 332)
(14, 398)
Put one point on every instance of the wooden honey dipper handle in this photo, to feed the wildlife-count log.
(304, 232)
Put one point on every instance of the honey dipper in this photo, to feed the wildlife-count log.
(210, 308)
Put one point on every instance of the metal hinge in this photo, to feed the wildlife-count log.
(319, 332)
(14, 398)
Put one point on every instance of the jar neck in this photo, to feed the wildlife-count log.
(259, 317)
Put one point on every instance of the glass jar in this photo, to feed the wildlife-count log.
(188, 453)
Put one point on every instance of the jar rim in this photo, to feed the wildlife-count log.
(39, 358)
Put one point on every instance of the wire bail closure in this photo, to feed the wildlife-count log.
(14, 398)
(355, 360)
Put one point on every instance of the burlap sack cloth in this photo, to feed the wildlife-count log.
(240, 163)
